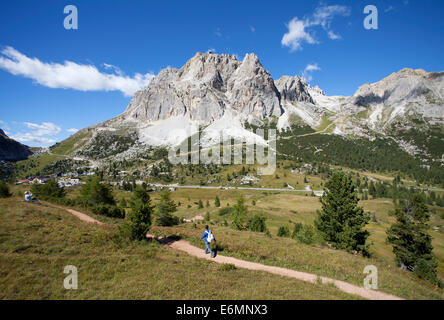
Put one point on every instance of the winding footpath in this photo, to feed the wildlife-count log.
(186, 247)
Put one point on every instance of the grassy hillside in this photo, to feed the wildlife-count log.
(36, 242)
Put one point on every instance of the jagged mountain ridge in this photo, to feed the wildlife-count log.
(223, 93)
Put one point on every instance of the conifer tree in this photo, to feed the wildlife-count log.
(412, 245)
(217, 202)
(139, 218)
(341, 221)
(238, 214)
(164, 209)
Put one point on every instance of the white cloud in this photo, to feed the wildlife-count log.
(252, 29)
(72, 130)
(296, 34)
(39, 134)
(29, 137)
(4, 125)
(298, 29)
(71, 75)
(44, 129)
(390, 8)
(308, 69)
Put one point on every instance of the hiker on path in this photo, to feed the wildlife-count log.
(208, 238)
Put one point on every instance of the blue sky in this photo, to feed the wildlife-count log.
(53, 80)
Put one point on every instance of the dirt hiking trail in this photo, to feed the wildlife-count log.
(186, 247)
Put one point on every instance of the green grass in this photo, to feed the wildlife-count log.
(33, 165)
(288, 208)
(317, 259)
(325, 123)
(71, 144)
(37, 242)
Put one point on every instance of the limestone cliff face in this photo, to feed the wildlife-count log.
(293, 89)
(205, 87)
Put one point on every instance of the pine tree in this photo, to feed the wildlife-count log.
(139, 218)
(341, 221)
(200, 205)
(372, 189)
(238, 213)
(164, 209)
(412, 245)
(217, 202)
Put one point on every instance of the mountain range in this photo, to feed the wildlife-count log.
(223, 94)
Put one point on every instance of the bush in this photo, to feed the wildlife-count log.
(4, 190)
(283, 231)
(304, 233)
(224, 211)
(257, 223)
(426, 269)
(108, 210)
(166, 219)
(297, 227)
(48, 191)
(94, 192)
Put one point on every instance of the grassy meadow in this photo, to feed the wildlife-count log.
(37, 241)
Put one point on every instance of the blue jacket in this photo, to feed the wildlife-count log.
(205, 235)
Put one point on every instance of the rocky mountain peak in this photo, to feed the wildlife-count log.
(205, 87)
(293, 89)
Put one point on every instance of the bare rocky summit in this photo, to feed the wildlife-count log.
(205, 87)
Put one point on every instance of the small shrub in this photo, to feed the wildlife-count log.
(257, 223)
(166, 219)
(47, 191)
(108, 210)
(426, 269)
(224, 211)
(306, 234)
(4, 190)
(283, 231)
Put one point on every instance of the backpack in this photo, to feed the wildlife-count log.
(210, 236)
